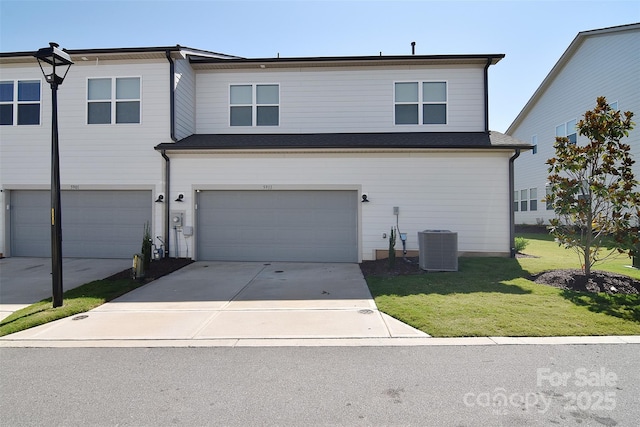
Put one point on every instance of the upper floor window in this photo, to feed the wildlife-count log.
(568, 130)
(254, 105)
(20, 102)
(420, 103)
(113, 100)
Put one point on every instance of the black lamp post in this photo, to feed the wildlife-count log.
(56, 66)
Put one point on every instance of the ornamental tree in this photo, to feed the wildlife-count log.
(593, 190)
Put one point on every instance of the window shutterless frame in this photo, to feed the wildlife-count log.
(20, 102)
(421, 102)
(114, 100)
(254, 104)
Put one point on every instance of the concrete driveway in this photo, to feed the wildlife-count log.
(24, 281)
(223, 302)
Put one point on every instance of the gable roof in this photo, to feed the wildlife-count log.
(564, 59)
(395, 140)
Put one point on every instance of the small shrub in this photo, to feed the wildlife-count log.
(521, 243)
(392, 249)
(146, 247)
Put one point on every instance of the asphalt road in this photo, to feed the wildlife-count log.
(524, 385)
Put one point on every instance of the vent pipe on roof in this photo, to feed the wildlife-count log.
(413, 48)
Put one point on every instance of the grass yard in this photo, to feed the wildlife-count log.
(493, 297)
(77, 300)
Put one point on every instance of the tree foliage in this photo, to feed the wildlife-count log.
(593, 190)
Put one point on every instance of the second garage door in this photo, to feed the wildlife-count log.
(310, 226)
(95, 224)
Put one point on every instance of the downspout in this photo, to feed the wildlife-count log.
(167, 177)
(512, 215)
(167, 162)
(486, 95)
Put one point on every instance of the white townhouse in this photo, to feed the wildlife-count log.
(274, 159)
(603, 62)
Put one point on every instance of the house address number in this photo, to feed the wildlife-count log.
(267, 187)
(75, 187)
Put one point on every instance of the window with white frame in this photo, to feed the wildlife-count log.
(568, 130)
(20, 102)
(533, 199)
(516, 203)
(548, 199)
(254, 105)
(524, 200)
(113, 100)
(420, 103)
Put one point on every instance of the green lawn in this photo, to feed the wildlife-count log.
(77, 300)
(492, 297)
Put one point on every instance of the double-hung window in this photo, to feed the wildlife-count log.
(523, 200)
(420, 103)
(254, 105)
(20, 102)
(568, 130)
(113, 100)
(533, 199)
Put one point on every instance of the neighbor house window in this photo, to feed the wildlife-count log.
(420, 103)
(548, 199)
(568, 130)
(523, 200)
(533, 199)
(254, 105)
(113, 100)
(516, 204)
(20, 102)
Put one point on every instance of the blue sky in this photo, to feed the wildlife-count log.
(532, 34)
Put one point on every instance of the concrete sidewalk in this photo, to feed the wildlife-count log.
(225, 302)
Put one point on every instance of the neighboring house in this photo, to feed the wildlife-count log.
(603, 62)
(254, 159)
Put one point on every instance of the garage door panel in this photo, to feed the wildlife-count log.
(95, 224)
(278, 226)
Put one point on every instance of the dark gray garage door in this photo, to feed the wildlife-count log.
(95, 224)
(313, 226)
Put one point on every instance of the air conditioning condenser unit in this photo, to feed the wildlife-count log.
(438, 250)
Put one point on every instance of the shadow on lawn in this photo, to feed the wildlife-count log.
(475, 275)
(623, 306)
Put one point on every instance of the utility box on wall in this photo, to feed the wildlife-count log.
(438, 250)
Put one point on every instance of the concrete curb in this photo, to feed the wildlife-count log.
(323, 342)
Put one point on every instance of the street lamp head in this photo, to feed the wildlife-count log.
(57, 63)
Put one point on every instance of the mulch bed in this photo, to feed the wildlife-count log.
(600, 281)
(402, 267)
(157, 269)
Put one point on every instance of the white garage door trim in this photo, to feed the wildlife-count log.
(278, 225)
(95, 223)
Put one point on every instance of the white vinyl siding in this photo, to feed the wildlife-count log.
(479, 217)
(185, 99)
(102, 157)
(572, 92)
(335, 100)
